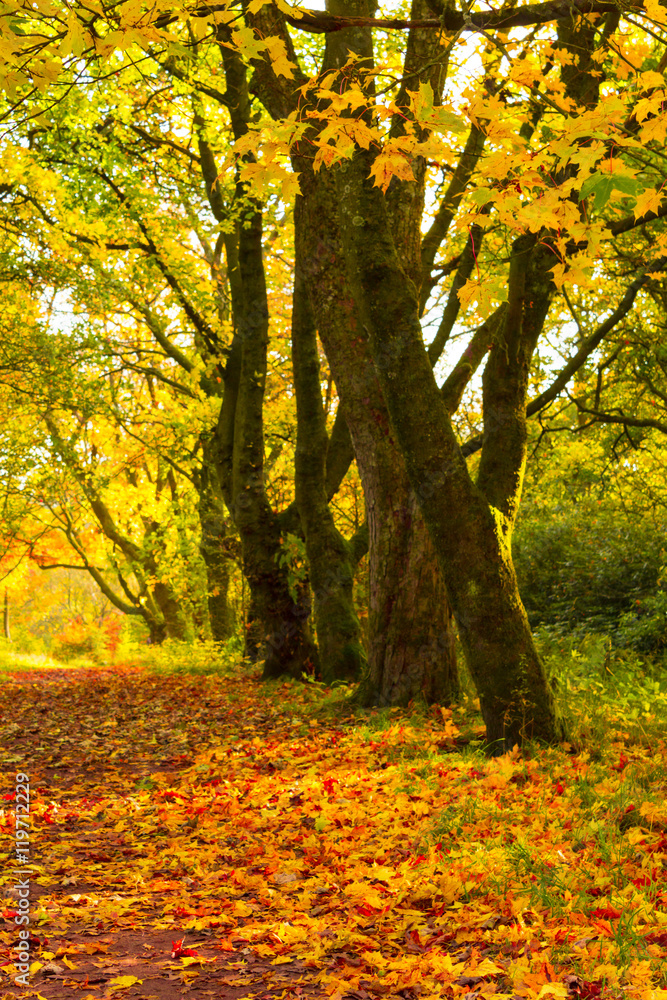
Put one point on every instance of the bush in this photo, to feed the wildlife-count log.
(587, 569)
(645, 627)
(601, 688)
(175, 657)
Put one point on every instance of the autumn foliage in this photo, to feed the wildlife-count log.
(214, 833)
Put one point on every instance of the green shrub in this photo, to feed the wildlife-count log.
(174, 657)
(588, 570)
(645, 627)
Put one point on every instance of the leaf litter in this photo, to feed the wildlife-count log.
(199, 836)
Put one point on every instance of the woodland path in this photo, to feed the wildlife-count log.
(89, 739)
(210, 836)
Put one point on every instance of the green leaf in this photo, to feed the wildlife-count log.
(601, 185)
(481, 196)
(449, 122)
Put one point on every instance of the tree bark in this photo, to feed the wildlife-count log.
(470, 524)
(217, 559)
(380, 464)
(280, 629)
(331, 563)
(288, 647)
(5, 618)
(408, 609)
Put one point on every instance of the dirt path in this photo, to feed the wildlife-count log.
(87, 738)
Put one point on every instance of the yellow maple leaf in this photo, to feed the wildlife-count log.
(655, 128)
(488, 968)
(558, 275)
(647, 201)
(277, 52)
(124, 982)
(242, 909)
(388, 165)
(652, 812)
(608, 972)
(656, 11)
(365, 893)
(450, 889)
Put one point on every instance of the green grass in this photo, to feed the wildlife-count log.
(174, 657)
(603, 691)
(15, 663)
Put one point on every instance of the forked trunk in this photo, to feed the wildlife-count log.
(411, 641)
(470, 524)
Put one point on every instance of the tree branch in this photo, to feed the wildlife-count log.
(588, 346)
(610, 418)
(67, 566)
(591, 342)
(630, 222)
(447, 209)
(453, 306)
(450, 19)
(455, 383)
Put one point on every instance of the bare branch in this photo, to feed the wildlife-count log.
(584, 352)
(455, 383)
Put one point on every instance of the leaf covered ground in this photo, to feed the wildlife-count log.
(212, 836)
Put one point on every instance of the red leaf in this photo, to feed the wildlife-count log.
(606, 913)
(660, 939)
(178, 951)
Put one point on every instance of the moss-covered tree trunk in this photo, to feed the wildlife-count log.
(412, 652)
(213, 545)
(281, 631)
(281, 616)
(419, 622)
(330, 556)
(411, 639)
(470, 524)
(175, 622)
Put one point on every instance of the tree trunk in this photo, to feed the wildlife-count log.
(470, 525)
(252, 640)
(214, 532)
(175, 621)
(408, 609)
(345, 342)
(282, 630)
(288, 647)
(5, 618)
(412, 651)
(329, 557)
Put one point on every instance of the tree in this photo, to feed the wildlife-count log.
(470, 522)
(332, 560)
(542, 185)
